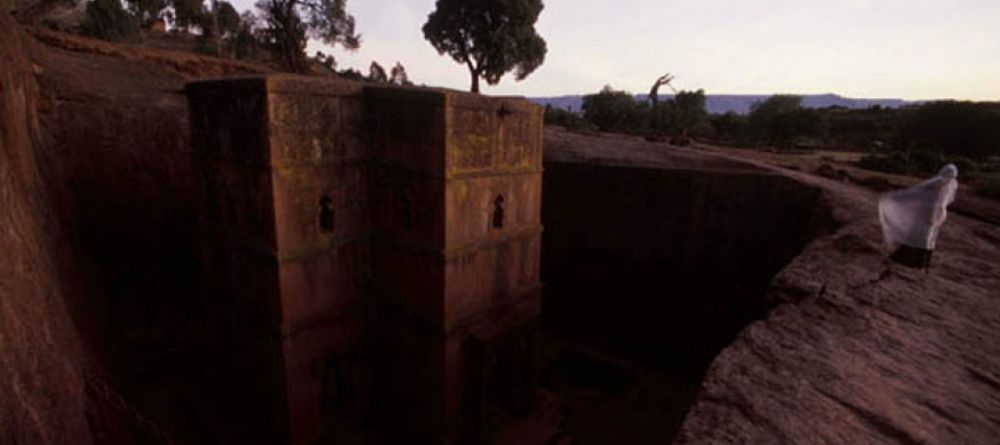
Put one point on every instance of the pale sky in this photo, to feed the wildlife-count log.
(909, 49)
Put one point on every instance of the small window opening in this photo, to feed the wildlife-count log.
(326, 214)
(404, 202)
(504, 111)
(231, 212)
(407, 213)
(339, 383)
(498, 216)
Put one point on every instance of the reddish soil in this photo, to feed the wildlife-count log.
(187, 64)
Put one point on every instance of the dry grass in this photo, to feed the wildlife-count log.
(189, 64)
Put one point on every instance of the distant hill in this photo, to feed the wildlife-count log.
(740, 103)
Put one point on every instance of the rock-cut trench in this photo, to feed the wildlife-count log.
(662, 268)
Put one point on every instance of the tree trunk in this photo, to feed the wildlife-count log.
(215, 28)
(294, 56)
(475, 78)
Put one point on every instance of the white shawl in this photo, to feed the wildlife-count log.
(914, 216)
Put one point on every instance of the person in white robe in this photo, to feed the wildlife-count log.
(912, 218)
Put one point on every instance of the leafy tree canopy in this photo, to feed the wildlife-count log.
(376, 73)
(188, 13)
(108, 20)
(491, 37)
(685, 112)
(780, 119)
(289, 22)
(967, 129)
(226, 18)
(399, 76)
(245, 42)
(147, 11)
(612, 110)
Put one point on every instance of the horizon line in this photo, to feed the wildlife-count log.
(937, 99)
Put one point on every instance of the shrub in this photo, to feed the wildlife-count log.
(918, 162)
(968, 129)
(780, 120)
(616, 111)
(684, 114)
(730, 127)
(565, 118)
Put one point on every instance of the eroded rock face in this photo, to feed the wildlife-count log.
(852, 349)
(863, 352)
(667, 265)
(41, 383)
(119, 179)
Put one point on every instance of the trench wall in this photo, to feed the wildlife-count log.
(123, 179)
(666, 266)
(42, 391)
(118, 168)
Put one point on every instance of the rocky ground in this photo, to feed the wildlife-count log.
(853, 350)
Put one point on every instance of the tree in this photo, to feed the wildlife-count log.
(287, 30)
(781, 118)
(611, 110)
(146, 11)
(108, 20)
(219, 25)
(328, 62)
(654, 99)
(968, 129)
(398, 75)
(188, 13)
(376, 73)
(246, 44)
(227, 20)
(352, 74)
(685, 112)
(729, 127)
(491, 37)
(565, 118)
(284, 33)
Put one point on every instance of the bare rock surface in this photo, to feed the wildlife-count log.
(41, 383)
(95, 177)
(853, 350)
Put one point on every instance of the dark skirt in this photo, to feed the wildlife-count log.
(912, 257)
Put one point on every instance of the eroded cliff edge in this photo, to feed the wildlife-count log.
(851, 349)
(41, 364)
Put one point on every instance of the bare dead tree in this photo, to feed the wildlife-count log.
(654, 92)
(654, 98)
